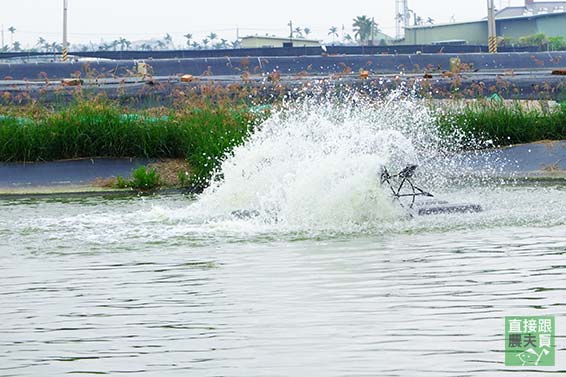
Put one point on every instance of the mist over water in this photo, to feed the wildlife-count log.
(316, 162)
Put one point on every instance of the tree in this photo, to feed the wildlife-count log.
(205, 42)
(161, 45)
(429, 21)
(42, 44)
(168, 39)
(235, 44)
(298, 32)
(56, 47)
(123, 42)
(363, 28)
(189, 37)
(557, 43)
(307, 31)
(212, 37)
(16, 46)
(195, 45)
(333, 31)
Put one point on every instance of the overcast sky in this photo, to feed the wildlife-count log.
(93, 20)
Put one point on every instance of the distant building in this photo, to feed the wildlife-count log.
(380, 38)
(512, 22)
(255, 41)
(532, 8)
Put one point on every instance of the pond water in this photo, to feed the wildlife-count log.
(331, 278)
(144, 286)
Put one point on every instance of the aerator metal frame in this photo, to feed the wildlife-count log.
(400, 180)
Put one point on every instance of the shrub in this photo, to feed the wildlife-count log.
(143, 179)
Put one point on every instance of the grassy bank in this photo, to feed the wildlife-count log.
(201, 135)
(86, 129)
(507, 124)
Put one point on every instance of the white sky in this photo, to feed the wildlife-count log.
(93, 20)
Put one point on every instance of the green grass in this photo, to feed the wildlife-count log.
(100, 129)
(204, 135)
(143, 179)
(506, 125)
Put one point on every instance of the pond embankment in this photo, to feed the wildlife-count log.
(99, 139)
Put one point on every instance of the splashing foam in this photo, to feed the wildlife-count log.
(315, 163)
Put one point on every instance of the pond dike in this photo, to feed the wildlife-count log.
(66, 177)
(322, 64)
(519, 75)
(541, 160)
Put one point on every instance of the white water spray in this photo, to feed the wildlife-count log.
(315, 163)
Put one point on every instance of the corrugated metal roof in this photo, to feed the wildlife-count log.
(485, 20)
(539, 7)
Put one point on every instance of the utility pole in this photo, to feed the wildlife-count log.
(291, 31)
(2, 46)
(372, 27)
(65, 40)
(491, 28)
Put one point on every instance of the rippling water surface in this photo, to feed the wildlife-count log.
(146, 286)
(331, 278)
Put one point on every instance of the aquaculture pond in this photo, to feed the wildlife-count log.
(329, 276)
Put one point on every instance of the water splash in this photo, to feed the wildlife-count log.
(315, 162)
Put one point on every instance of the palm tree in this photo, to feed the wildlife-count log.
(298, 32)
(40, 42)
(123, 42)
(429, 21)
(189, 37)
(363, 28)
(205, 42)
(223, 43)
(195, 45)
(16, 46)
(307, 31)
(235, 44)
(168, 40)
(161, 45)
(348, 38)
(56, 47)
(212, 37)
(333, 31)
